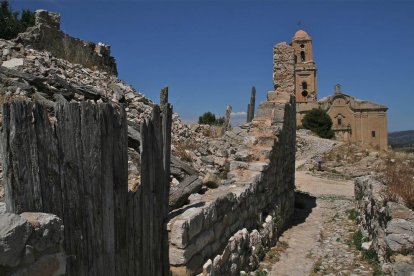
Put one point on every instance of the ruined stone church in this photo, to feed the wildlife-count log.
(354, 120)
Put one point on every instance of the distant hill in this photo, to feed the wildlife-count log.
(401, 139)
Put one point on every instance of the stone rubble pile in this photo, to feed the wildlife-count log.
(29, 74)
(310, 147)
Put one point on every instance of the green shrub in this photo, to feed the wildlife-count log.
(357, 239)
(318, 121)
(208, 118)
(260, 272)
(12, 23)
(352, 214)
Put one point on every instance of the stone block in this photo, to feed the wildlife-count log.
(403, 269)
(180, 256)
(12, 63)
(204, 239)
(210, 215)
(242, 155)
(194, 217)
(51, 19)
(54, 264)
(258, 166)
(400, 243)
(278, 97)
(207, 268)
(195, 265)
(265, 109)
(235, 165)
(14, 232)
(179, 233)
(48, 231)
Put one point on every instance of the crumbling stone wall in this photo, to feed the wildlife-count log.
(228, 229)
(46, 35)
(31, 244)
(389, 227)
(283, 66)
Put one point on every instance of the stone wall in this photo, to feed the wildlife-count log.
(283, 66)
(388, 226)
(227, 229)
(46, 35)
(31, 244)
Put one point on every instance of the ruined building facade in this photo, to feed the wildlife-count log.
(354, 120)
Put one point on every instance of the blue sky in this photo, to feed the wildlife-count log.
(210, 53)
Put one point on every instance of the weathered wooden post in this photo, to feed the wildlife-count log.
(251, 105)
(77, 168)
(163, 98)
(226, 124)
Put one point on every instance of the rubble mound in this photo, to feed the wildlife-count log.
(32, 74)
(310, 148)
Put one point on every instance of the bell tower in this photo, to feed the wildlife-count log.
(305, 68)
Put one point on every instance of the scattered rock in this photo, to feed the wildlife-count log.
(12, 63)
(14, 232)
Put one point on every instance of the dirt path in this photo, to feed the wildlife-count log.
(318, 243)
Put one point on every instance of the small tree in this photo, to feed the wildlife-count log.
(11, 24)
(208, 118)
(318, 121)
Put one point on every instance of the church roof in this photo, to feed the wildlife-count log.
(354, 103)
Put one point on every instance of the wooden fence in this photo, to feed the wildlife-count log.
(77, 168)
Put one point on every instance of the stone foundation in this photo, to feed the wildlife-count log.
(388, 225)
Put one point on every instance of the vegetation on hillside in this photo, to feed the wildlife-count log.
(402, 140)
(12, 22)
(318, 121)
(398, 176)
(209, 118)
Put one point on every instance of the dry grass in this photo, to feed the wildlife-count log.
(213, 131)
(349, 153)
(398, 176)
(183, 149)
(273, 255)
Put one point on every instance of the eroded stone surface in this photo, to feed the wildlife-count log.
(14, 232)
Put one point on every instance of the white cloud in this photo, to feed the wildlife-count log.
(238, 114)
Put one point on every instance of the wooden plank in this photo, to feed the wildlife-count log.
(106, 120)
(166, 132)
(157, 180)
(120, 180)
(9, 196)
(130, 233)
(82, 168)
(48, 160)
(145, 199)
(68, 132)
(24, 179)
(90, 132)
(139, 212)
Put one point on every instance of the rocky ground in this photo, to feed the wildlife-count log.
(321, 239)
